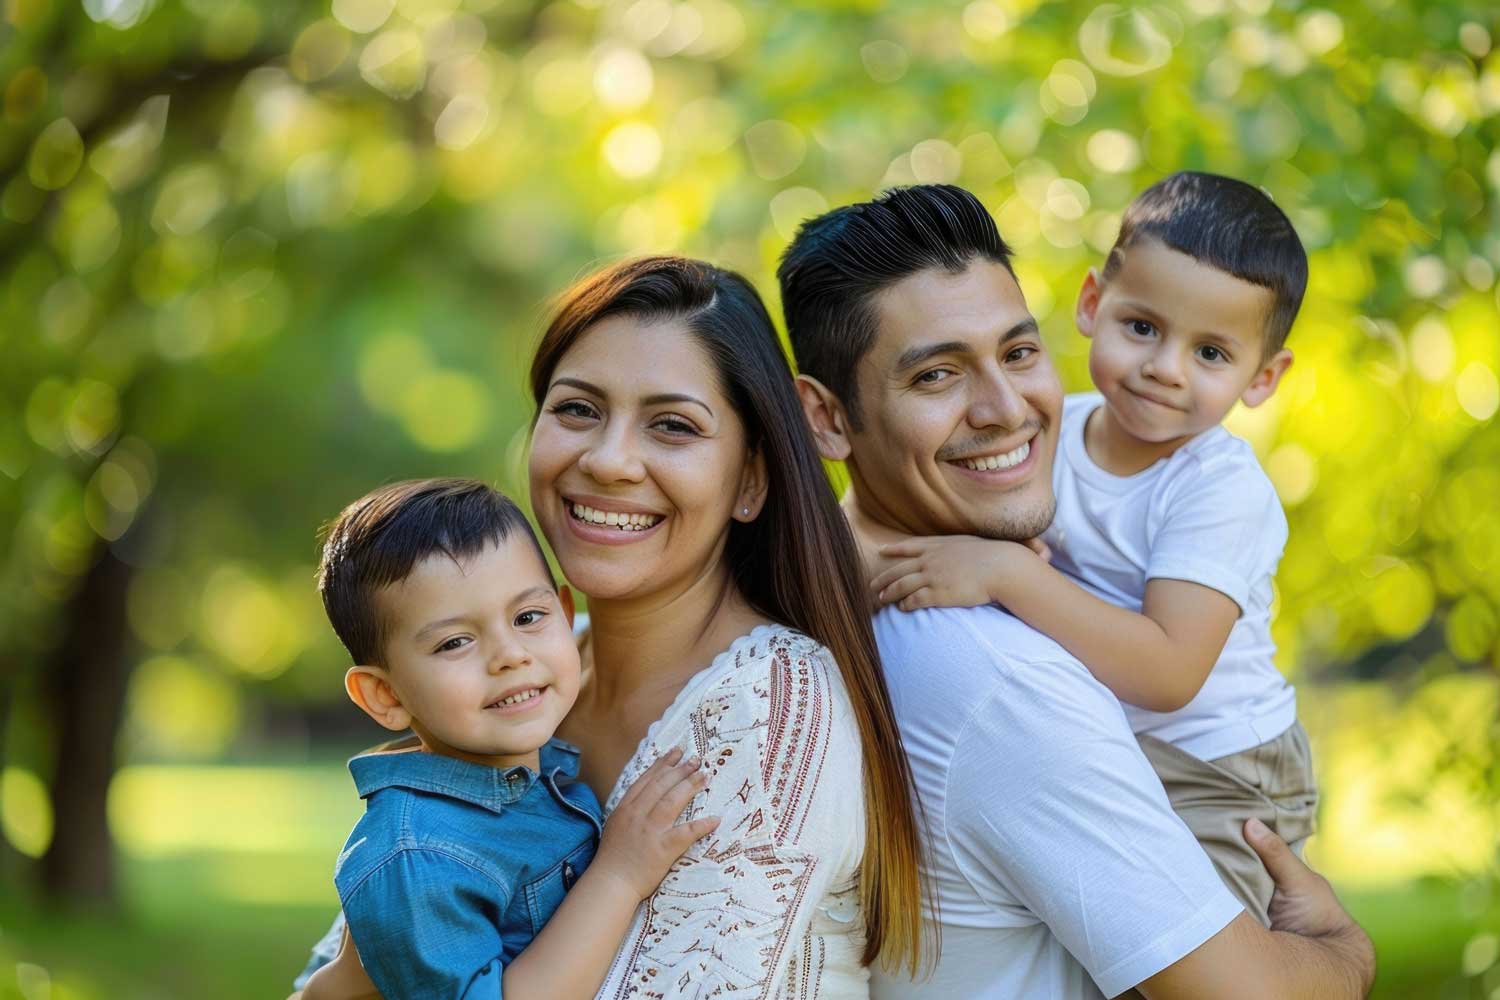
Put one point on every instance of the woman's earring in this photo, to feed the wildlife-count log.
(745, 511)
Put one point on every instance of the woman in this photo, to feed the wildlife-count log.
(673, 475)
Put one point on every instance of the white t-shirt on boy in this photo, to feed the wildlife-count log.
(1206, 514)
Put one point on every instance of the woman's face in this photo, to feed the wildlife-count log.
(639, 462)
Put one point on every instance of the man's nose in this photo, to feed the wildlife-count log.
(613, 456)
(997, 403)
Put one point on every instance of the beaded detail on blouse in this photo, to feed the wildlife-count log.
(766, 906)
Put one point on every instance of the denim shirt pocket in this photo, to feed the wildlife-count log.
(545, 893)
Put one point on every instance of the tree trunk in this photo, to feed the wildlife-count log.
(86, 678)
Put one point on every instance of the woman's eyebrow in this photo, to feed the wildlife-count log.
(655, 399)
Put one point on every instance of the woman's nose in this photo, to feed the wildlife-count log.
(612, 458)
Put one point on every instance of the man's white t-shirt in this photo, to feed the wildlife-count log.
(1206, 514)
(1058, 867)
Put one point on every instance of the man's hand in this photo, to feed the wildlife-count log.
(1304, 902)
(344, 978)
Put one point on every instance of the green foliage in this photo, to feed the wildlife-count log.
(256, 258)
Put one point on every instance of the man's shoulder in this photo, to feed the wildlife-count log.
(985, 640)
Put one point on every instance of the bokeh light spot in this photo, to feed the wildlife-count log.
(632, 149)
(25, 812)
(1478, 390)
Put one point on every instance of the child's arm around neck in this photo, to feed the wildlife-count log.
(1156, 659)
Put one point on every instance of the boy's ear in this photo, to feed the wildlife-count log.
(826, 417)
(370, 688)
(1264, 384)
(1088, 302)
(753, 486)
(565, 598)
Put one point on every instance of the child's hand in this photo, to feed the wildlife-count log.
(951, 571)
(642, 837)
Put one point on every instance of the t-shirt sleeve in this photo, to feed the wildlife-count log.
(1053, 811)
(427, 928)
(1218, 524)
(783, 758)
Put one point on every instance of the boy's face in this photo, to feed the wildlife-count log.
(1175, 343)
(961, 407)
(480, 654)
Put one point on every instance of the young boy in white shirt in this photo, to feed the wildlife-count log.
(1167, 533)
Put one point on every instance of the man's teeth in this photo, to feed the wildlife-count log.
(615, 519)
(520, 696)
(1005, 461)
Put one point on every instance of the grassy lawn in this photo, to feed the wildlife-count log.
(226, 882)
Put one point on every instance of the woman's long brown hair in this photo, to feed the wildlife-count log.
(796, 563)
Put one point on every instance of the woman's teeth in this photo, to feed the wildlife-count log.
(1005, 461)
(520, 696)
(615, 519)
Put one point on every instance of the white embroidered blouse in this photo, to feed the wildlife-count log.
(767, 906)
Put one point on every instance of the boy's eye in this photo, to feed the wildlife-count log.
(526, 618)
(457, 642)
(1141, 328)
(1210, 353)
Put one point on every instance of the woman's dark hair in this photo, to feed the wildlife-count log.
(796, 563)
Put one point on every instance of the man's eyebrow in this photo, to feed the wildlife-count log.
(653, 400)
(913, 356)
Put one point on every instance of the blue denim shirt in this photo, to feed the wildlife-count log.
(456, 866)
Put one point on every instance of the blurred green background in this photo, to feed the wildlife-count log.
(256, 258)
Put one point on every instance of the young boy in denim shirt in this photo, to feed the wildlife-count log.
(1167, 533)
(470, 873)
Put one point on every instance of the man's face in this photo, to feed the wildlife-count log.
(960, 406)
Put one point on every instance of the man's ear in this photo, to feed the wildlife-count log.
(753, 486)
(1088, 302)
(370, 688)
(826, 417)
(1263, 386)
(565, 598)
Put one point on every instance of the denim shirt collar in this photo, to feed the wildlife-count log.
(492, 788)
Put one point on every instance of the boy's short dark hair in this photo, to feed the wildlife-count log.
(839, 261)
(1226, 224)
(377, 539)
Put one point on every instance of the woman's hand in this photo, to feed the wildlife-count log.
(642, 837)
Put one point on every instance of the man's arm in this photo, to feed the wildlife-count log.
(1314, 949)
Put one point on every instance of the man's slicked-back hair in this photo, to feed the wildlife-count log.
(379, 538)
(1226, 224)
(840, 261)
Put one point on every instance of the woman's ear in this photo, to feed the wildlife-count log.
(1088, 302)
(753, 486)
(826, 417)
(1263, 386)
(370, 688)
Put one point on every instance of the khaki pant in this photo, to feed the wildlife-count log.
(1272, 782)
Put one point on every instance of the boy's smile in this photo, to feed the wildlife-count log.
(1176, 342)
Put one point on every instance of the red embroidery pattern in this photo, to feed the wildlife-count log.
(735, 916)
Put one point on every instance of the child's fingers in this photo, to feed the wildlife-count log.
(1039, 547)
(675, 798)
(896, 572)
(924, 597)
(907, 548)
(684, 835)
(659, 768)
(899, 589)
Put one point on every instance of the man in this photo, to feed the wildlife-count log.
(1057, 866)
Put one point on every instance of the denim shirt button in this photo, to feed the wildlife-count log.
(570, 875)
